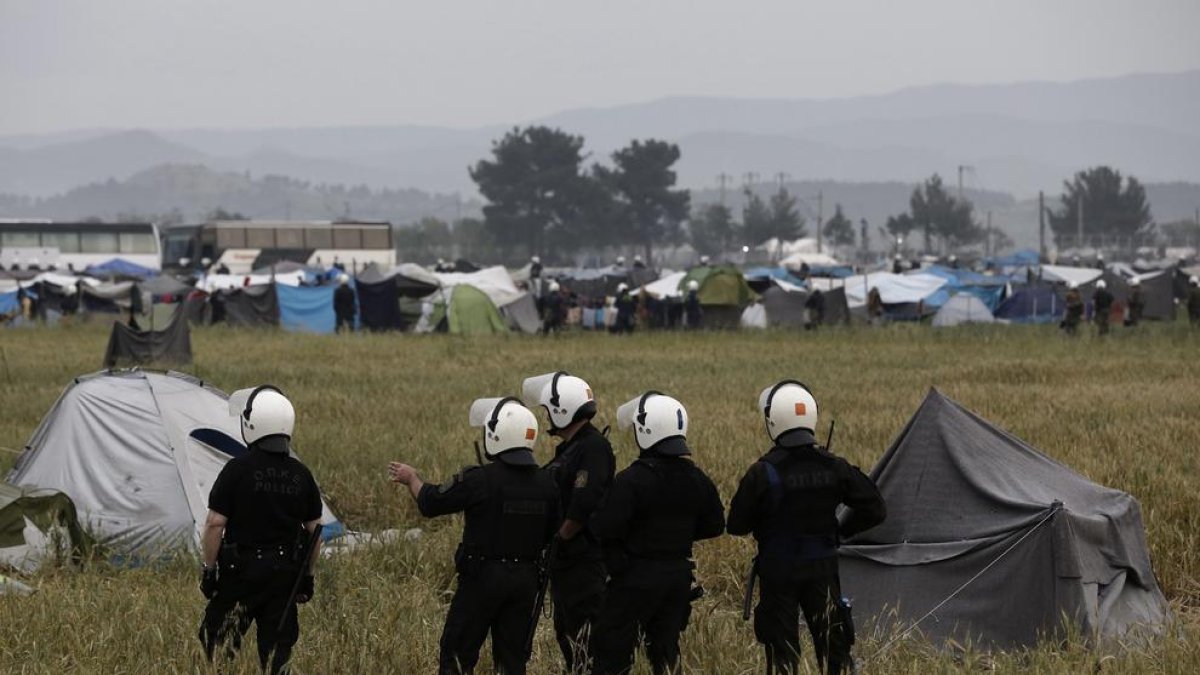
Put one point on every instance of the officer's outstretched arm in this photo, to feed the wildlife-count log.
(867, 508)
(210, 539)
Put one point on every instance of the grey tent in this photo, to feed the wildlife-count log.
(171, 345)
(137, 452)
(963, 308)
(993, 543)
(35, 526)
(785, 308)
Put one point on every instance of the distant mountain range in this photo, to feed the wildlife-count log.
(1015, 139)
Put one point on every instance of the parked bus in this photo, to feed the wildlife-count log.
(245, 245)
(46, 244)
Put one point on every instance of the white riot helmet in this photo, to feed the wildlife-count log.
(621, 260)
(637, 258)
(535, 260)
(553, 287)
(343, 279)
(205, 262)
(703, 260)
(1194, 281)
(1101, 285)
(264, 411)
(71, 289)
(509, 429)
(659, 422)
(622, 287)
(1071, 285)
(566, 398)
(788, 406)
(693, 285)
(1136, 281)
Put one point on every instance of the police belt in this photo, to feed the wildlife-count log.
(475, 557)
(266, 551)
(801, 546)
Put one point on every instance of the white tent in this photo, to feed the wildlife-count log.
(894, 289)
(219, 282)
(963, 308)
(137, 452)
(665, 287)
(1066, 275)
(493, 281)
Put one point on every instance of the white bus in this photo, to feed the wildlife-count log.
(46, 244)
(246, 245)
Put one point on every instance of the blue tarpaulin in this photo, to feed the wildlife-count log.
(987, 288)
(1022, 258)
(1033, 304)
(9, 303)
(121, 267)
(306, 309)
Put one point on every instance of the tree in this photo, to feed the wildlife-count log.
(534, 187)
(786, 222)
(757, 224)
(838, 230)
(641, 182)
(899, 227)
(712, 228)
(1113, 208)
(429, 238)
(938, 214)
(220, 213)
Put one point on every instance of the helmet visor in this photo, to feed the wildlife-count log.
(627, 413)
(532, 388)
(238, 401)
(481, 411)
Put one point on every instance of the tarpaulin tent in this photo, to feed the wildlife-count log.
(35, 526)
(251, 307)
(963, 308)
(1067, 275)
(785, 308)
(224, 282)
(1025, 543)
(137, 452)
(120, 267)
(379, 304)
(467, 311)
(989, 289)
(171, 345)
(894, 289)
(522, 314)
(493, 281)
(719, 285)
(1031, 304)
(306, 309)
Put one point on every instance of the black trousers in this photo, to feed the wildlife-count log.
(652, 605)
(577, 589)
(346, 320)
(257, 594)
(494, 597)
(786, 591)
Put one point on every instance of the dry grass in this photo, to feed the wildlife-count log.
(1121, 411)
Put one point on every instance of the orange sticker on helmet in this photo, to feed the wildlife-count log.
(530, 434)
(800, 409)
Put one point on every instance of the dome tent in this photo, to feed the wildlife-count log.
(1026, 544)
(137, 452)
(963, 308)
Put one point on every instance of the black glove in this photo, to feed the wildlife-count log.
(208, 582)
(305, 592)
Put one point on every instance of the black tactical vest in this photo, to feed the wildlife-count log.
(516, 517)
(672, 497)
(805, 489)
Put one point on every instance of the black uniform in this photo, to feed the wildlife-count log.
(511, 513)
(691, 308)
(655, 510)
(1102, 301)
(555, 310)
(789, 500)
(626, 307)
(1137, 304)
(344, 307)
(583, 468)
(267, 497)
(815, 304)
(1193, 305)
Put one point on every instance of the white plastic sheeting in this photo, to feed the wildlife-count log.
(754, 316)
(1066, 275)
(221, 282)
(894, 289)
(493, 281)
(963, 308)
(665, 287)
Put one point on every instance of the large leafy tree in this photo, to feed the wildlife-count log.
(535, 188)
(1113, 208)
(649, 209)
(940, 215)
(838, 230)
(712, 228)
(763, 220)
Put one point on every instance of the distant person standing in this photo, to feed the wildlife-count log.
(344, 304)
(1074, 314)
(554, 309)
(535, 267)
(1102, 302)
(898, 265)
(638, 263)
(1137, 303)
(815, 306)
(874, 306)
(626, 310)
(691, 306)
(1193, 301)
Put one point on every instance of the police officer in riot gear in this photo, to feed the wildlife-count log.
(656, 509)
(788, 500)
(260, 507)
(583, 468)
(511, 510)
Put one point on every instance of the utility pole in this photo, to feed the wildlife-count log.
(991, 251)
(1079, 224)
(820, 217)
(961, 169)
(750, 178)
(781, 178)
(723, 179)
(1041, 225)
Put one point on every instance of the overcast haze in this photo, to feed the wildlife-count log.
(229, 63)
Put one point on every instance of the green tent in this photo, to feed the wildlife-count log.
(469, 312)
(719, 285)
(35, 524)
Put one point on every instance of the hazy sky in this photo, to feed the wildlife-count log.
(249, 63)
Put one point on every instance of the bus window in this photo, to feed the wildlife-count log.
(19, 240)
(137, 242)
(375, 238)
(318, 237)
(347, 237)
(289, 237)
(99, 242)
(260, 237)
(65, 242)
(231, 237)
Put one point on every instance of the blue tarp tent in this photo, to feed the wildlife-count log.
(121, 267)
(9, 303)
(1022, 258)
(306, 309)
(989, 289)
(1032, 304)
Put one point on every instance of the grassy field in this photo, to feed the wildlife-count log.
(1123, 412)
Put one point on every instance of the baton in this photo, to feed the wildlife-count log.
(310, 547)
(748, 598)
